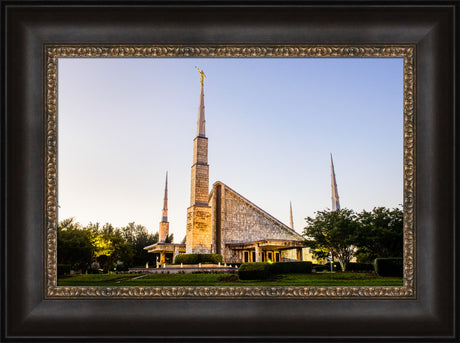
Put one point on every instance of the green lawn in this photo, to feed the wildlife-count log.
(95, 279)
(315, 279)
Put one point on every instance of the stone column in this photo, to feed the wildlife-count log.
(258, 254)
(299, 254)
(176, 252)
(162, 257)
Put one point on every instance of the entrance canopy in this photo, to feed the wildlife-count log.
(265, 250)
(266, 244)
(166, 248)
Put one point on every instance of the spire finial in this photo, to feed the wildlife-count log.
(202, 75)
(201, 127)
(292, 220)
(334, 191)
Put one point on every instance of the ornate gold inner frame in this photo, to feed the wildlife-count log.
(54, 52)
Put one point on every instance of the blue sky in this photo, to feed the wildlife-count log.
(271, 125)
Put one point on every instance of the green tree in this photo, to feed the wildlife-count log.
(139, 238)
(74, 245)
(111, 249)
(111, 230)
(332, 232)
(108, 245)
(380, 234)
(170, 238)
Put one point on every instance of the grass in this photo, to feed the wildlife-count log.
(315, 279)
(95, 279)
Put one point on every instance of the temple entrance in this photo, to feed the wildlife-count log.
(266, 250)
(270, 256)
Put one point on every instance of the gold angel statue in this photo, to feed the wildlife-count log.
(202, 74)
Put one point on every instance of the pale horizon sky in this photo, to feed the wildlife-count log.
(271, 125)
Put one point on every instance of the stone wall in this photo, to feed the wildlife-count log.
(163, 232)
(199, 236)
(242, 221)
(200, 172)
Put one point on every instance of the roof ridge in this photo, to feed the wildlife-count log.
(257, 208)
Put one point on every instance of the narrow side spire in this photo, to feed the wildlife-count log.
(165, 202)
(292, 220)
(201, 125)
(163, 232)
(334, 191)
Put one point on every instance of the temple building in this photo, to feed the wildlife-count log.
(222, 221)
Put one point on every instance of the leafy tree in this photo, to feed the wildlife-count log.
(93, 227)
(380, 234)
(102, 245)
(170, 238)
(110, 249)
(334, 232)
(139, 238)
(74, 245)
(109, 229)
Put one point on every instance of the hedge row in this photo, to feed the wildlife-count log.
(290, 267)
(265, 270)
(351, 267)
(254, 271)
(327, 267)
(360, 267)
(389, 266)
(198, 258)
(63, 269)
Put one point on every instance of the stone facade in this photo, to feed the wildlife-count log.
(200, 172)
(237, 220)
(198, 238)
(163, 232)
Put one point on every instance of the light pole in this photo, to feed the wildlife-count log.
(330, 259)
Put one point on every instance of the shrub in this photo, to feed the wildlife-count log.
(336, 266)
(264, 270)
(321, 267)
(291, 267)
(198, 258)
(254, 271)
(360, 267)
(122, 267)
(95, 271)
(63, 269)
(392, 266)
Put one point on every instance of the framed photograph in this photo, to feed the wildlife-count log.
(95, 114)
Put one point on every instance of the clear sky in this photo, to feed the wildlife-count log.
(271, 125)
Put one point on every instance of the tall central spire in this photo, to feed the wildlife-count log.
(334, 191)
(200, 167)
(201, 127)
(292, 220)
(199, 235)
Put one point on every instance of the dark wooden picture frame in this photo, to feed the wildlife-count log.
(26, 311)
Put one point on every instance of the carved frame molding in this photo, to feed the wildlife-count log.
(54, 52)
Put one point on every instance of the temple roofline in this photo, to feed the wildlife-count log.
(160, 244)
(257, 208)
